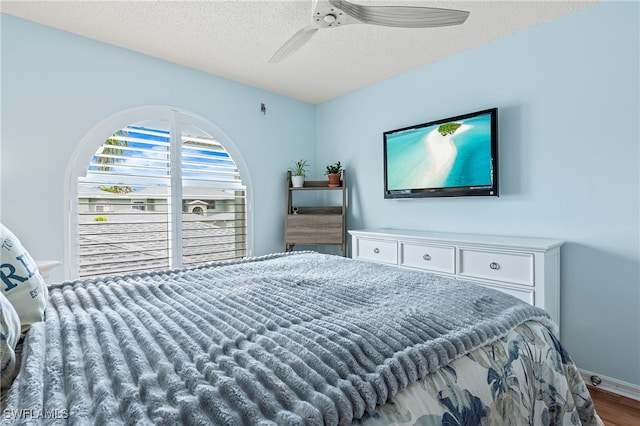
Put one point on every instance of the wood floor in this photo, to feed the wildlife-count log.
(615, 410)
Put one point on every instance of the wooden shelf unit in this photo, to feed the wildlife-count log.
(323, 225)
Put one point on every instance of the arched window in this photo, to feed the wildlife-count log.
(157, 193)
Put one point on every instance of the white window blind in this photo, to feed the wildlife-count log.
(145, 204)
(213, 202)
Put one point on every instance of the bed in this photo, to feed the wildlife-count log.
(298, 338)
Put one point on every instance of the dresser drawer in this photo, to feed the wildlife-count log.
(427, 257)
(524, 295)
(377, 250)
(498, 266)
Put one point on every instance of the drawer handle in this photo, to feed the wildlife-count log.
(426, 256)
(495, 266)
(376, 250)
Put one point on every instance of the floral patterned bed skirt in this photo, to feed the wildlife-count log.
(526, 378)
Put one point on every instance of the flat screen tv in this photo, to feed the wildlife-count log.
(452, 157)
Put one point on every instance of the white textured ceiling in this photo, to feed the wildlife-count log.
(235, 39)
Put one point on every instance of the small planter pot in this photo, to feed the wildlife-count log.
(297, 181)
(334, 180)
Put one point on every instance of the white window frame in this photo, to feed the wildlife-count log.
(95, 137)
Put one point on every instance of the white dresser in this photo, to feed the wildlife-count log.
(527, 268)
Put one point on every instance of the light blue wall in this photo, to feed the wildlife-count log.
(57, 86)
(567, 94)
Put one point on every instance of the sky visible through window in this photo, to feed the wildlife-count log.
(145, 152)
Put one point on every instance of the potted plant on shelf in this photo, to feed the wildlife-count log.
(298, 173)
(334, 171)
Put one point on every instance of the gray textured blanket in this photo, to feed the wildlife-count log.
(298, 338)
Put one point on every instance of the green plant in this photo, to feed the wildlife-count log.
(112, 150)
(117, 189)
(100, 218)
(299, 168)
(333, 168)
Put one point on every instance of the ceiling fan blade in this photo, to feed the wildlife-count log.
(402, 16)
(299, 39)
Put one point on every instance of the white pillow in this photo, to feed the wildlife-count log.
(9, 336)
(20, 280)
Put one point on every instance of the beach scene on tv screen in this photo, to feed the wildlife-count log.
(445, 155)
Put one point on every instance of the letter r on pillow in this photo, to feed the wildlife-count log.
(6, 278)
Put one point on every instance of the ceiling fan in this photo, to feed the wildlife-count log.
(337, 13)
